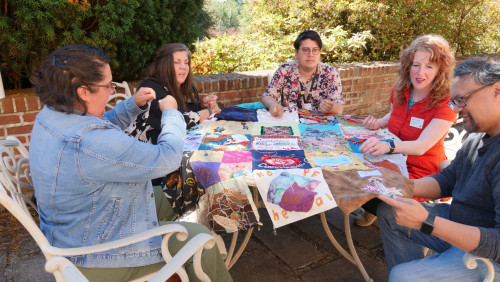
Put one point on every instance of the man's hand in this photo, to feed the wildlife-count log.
(276, 110)
(143, 96)
(407, 212)
(168, 102)
(208, 100)
(372, 123)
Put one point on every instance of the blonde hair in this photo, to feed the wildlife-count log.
(441, 55)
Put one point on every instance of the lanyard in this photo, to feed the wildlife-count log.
(302, 95)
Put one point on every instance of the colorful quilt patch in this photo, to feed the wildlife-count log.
(359, 132)
(324, 144)
(349, 120)
(270, 129)
(323, 131)
(231, 127)
(293, 194)
(279, 160)
(275, 143)
(224, 142)
(335, 160)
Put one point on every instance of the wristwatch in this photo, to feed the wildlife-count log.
(391, 146)
(428, 225)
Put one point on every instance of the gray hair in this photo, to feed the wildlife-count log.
(484, 71)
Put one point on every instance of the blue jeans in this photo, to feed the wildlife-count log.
(405, 257)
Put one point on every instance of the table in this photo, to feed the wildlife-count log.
(311, 130)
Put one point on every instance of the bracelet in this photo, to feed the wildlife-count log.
(209, 111)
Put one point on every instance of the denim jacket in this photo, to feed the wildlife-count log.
(92, 181)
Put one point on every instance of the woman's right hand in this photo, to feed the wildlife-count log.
(276, 110)
(371, 123)
(168, 102)
(214, 107)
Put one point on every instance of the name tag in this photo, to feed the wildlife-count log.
(417, 122)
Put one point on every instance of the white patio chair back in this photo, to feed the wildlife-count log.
(119, 96)
(14, 171)
(14, 201)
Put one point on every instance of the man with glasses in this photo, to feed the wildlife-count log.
(305, 83)
(471, 224)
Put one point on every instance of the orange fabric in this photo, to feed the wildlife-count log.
(399, 124)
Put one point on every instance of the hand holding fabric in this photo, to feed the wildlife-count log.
(326, 106)
(168, 102)
(372, 123)
(276, 110)
(407, 212)
(208, 100)
(143, 96)
(374, 147)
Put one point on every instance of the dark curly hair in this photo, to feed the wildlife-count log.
(64, 71)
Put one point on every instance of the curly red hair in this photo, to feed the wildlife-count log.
(441, 55)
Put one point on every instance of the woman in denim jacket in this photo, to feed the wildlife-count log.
(92, 181)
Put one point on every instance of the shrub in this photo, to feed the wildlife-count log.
(129, 31)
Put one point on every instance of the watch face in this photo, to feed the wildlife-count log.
(427, 228)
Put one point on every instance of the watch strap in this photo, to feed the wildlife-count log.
(428, 225)
(391, 146)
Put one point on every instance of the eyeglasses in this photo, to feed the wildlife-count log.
(307, 51)
(459, 102)
(111, 86)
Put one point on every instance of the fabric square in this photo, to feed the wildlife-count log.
(279, 159)
(359, 132)
(289, 115)
(231, 127)
(275, 143)
(349, 120)
(224, 142)
(207, 173)
(272, 129)
(235, 163)
(334, 160)
(324, 120)
(230, 206)
(237, 114)
(293, 194)
(325, 144)
(317, 130)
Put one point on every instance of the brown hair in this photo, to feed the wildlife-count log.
(162, 69)
(441, 55)
(64, 71)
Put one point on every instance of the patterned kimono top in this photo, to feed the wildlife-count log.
(285, 86)
(147, 126)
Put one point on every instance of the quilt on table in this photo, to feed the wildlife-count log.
(349, 120)
(231, 127)
(273, 129)
(324, 144)
(352, 188)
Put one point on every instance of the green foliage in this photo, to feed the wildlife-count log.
(352, 30)
(129, 31)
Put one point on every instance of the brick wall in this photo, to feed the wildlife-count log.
(366, 88)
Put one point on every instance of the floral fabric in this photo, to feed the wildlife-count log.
(285, 85)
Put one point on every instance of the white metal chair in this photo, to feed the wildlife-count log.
(119, 96)
(15, 202)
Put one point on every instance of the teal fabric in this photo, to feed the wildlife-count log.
(252, 106)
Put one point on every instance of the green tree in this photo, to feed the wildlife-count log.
(129, 31)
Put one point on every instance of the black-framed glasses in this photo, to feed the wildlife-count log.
(307, 51)
(459, 102)
(111, 86)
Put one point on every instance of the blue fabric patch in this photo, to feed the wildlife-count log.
(270, 160)
(237, 113)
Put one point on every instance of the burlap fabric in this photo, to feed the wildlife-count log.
(346, 186)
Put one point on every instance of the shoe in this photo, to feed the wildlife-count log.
(365, 219)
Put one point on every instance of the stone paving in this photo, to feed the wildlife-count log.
(298, 252)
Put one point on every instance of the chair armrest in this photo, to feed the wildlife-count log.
(470, 262)
(193, 248)
(64, 270)
(169, 228)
